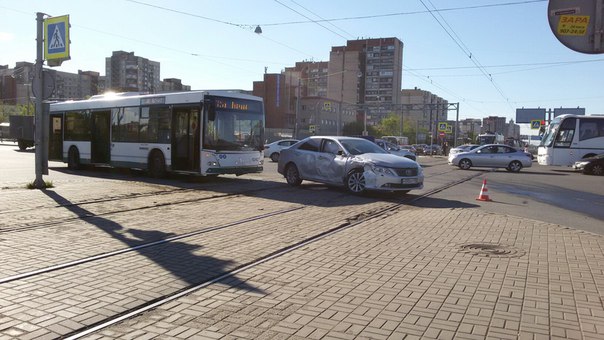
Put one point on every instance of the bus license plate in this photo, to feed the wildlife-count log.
(409, 181)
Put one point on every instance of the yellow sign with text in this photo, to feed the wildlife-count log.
(573, 25)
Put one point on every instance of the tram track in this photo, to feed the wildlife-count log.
(349, 223)
(88, 215)
(351, 219)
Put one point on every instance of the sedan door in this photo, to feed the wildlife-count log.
(483, 156)
(505, 156)
(331, 162)
(305, 157)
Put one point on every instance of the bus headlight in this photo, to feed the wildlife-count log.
(212, 163)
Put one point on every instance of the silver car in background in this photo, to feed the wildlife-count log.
(492, 156)
(395, 149)
(356, 163)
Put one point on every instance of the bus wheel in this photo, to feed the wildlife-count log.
(73, 158)
(21, 144)
(157, 165)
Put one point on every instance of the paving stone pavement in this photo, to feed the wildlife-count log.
(416, 273)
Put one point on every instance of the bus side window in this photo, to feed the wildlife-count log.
(566, 134)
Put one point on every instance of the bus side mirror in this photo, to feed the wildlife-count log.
(211, 112)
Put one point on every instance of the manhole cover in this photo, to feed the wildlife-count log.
(491, 250)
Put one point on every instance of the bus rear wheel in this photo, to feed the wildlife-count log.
(73, 158)
(157, 165)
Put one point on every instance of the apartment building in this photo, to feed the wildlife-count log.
(367, 72)
(423, 109)
(125, 72)
(16, 84)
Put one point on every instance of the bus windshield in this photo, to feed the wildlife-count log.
(238, 127)
(550, 133)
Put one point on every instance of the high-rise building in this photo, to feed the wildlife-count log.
(311, 76)
(16, 84)
(494, 124)
(126, 72)
(423, 110)
(367, 72)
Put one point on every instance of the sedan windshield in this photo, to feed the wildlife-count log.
(361, 146)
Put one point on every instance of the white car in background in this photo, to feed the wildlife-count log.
(273, 149)
(463, 148)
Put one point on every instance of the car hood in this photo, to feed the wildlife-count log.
(386, 159)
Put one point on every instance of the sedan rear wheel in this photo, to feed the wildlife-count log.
(515, 166)
(355, 182)
(275, 157)
(292, 176)
(465, 164)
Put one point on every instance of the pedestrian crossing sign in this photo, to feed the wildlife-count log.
(535, 124)
(442, 126)
(56, 40)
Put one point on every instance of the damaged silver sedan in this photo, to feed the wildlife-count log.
(356, 163)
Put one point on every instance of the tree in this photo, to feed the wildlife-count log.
(356, 129)
(390, 126)
(9, 110)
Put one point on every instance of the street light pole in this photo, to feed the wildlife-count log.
(365, 133)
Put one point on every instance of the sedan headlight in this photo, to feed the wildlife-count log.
(382, 170)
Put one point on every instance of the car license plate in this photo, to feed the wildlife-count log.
(409, 181)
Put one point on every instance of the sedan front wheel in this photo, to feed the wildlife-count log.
(597, 169)
(355, 182)
(465, 164)
(515, 166)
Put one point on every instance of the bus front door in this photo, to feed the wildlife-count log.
(100, 141)
(185, 138)
(55, 141)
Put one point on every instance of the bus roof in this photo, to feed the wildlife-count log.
(134, 99)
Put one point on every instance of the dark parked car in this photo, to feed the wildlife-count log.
(591, 165)
(355, 163)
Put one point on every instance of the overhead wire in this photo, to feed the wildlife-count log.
(320, 17)
(375, 16)
(450, 32)
(247, 27)
(294, 10)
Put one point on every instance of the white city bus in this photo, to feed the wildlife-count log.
(569, 138)
(490, 138)
(197, 132)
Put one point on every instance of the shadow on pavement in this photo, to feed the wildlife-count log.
(431, 202)
(177, 257)
(309, 193)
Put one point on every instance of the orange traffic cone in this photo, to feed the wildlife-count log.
(484, 195)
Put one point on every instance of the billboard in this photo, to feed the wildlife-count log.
(527, 115)
(569, 111)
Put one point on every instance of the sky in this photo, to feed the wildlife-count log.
(212, 44)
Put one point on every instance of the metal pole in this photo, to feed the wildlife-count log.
(365, 133)
(38, 77)
(296, 113)
(456, 125)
